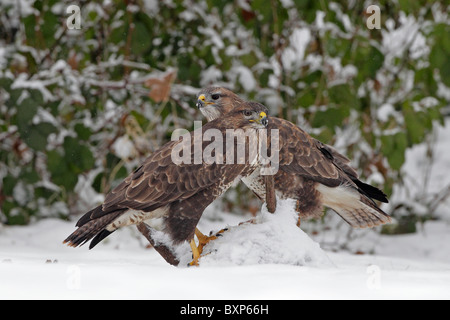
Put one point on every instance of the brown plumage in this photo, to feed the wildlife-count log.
(177, 194)
(311, 172)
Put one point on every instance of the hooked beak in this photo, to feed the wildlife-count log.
(201, 101)
(200, 104)
(263, 119)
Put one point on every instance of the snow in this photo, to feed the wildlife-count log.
(260, 242)
(385, 111)
(22, 82)
(124, 148)
(270, 259)
(294, 54)
(396, 41)
(246, 78)
(424, 181)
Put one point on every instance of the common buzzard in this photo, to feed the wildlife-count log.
(311, 172)
(172, 192)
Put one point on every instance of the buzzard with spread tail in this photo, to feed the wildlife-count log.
(311, 172)
(174, 193)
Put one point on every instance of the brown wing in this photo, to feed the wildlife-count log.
(338, 159)
(299, 154)
(342, 163)
(159, 181)
(302, 155)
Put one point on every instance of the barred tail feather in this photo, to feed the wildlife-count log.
(356, 209)
(90, 229)
(363, 216)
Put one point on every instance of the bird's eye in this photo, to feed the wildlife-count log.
(215, 96)
(247, 113)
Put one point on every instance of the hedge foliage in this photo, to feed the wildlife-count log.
(81, 108)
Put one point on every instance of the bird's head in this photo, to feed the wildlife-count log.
(214, 102)
(251, 115)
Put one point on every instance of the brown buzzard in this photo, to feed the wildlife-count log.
(311, 172)
(175, 193)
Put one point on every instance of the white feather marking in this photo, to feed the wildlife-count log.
(211, 113)
(346, 201)
(339, 196)
(134, 217)
(255, 183)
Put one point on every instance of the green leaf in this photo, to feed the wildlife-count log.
(29, 175)
(78, 157)
(368, 60)
(306, 98)
(84, 133)
(394, 147)
(29, 22)
(308, 9)
(26, 111)
(440, 52)
(8, 185)
(424, 80)
(344, 96)
(20, 216)
(326, 135)
(5, 83)
(37, 96)
(438, 56)
(38, 134)
(338, 47)
(55, 163)
(60, 171)
(140, 39)
(140, 118)
(330, 118)
(415, 124)
(49, 27)
(119, 34)
(446, 75)
(97, 183)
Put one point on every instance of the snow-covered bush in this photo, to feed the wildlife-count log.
(80, 108)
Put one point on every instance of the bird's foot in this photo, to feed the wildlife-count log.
(204, 240)
(195, 254)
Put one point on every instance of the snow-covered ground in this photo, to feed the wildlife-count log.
(272, 259)
(269, 260)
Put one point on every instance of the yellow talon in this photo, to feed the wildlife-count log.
(203, 240)
(195, 253)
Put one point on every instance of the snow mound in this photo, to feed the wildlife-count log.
(271, 239)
